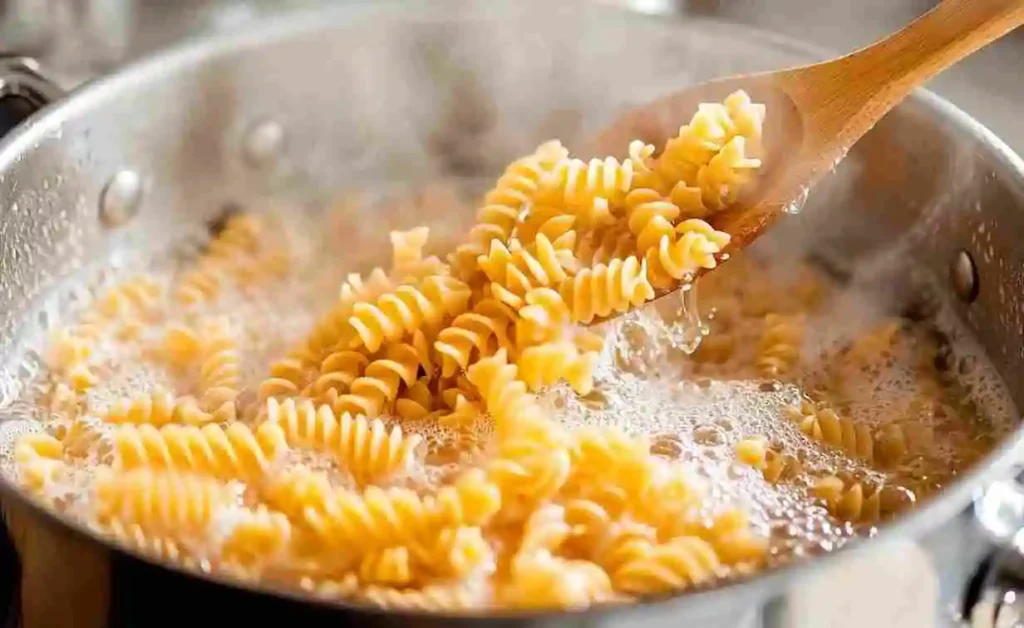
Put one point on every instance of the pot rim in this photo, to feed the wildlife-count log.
(46, 125)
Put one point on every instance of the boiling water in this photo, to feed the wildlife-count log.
(695, 400)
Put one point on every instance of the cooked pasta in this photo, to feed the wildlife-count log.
(607, 289)
(397, 314)
(477, 333)
(169, 504)
(370, 394)
(515, 270)
(161, 408)
(778, 350)
(678, 564)
(367, 449)
(824, 425)
(39, 459)
(234, 452)
(516, 188)
(453, 432)
(257, 540)
(590, 189)
(691, 246)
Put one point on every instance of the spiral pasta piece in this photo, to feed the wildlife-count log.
(288, 376)
(397, 314)
(478, 333)
(417, 402)
(722, 179)
(548, 363)
(515, 270)
(456, 552)
(752, 452)
(234, 452)
(162, 408)
(650, 217)
(589, 188)
(544, 318)
(606, 289)
(540, 580)
(712, 127)
(601, 246)
(333, 328)
(551, 221)
(257, 538)
(133, 536)
(853, 502)
(676, 565)
(370, 394)
(693, 245)
(407, 261)
(825, 426)
(174, 505)
(780, 467)
(515, 189)
(139, 296)
(389, 567)
(433, 598)
(338, 372)
(220, 373)
(366, 447)
(39, 460)
(780, 345)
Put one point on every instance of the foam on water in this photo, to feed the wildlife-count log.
(681, 371)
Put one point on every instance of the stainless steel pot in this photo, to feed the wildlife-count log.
(376, 93)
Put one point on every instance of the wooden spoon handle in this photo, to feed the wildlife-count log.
(853, 92)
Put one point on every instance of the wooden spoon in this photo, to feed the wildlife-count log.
(815, 113)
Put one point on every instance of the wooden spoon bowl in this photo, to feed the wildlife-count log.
(815, 113)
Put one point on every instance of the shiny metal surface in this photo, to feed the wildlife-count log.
(367, 93)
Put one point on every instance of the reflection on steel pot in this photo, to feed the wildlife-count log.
(337, 96)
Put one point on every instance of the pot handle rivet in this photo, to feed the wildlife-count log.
(263, 144)
(121, 198)
(963, 274)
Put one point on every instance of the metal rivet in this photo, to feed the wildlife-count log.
(963, 274)
(263, 143)
(121, 198)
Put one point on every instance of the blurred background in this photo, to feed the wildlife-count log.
(78, 39)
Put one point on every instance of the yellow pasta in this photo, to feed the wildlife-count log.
(477, 333)
(502, 205)
(234, 452)
(590, 189)
(396, 452)
(825, 426)
(607, 289)
(172, 505)
(548, 363)
(678, 564)
(366, 447)
(39, 460)
(220, 377)
(256, 540)
(650, 217)
(692, 245)
(515, 270)
(752, 452)
(601, 246)
(370, 394)
(409, 308)
(778, 350)
(389, 567)
(162, 408)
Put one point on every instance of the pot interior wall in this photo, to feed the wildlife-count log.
(368, 95)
